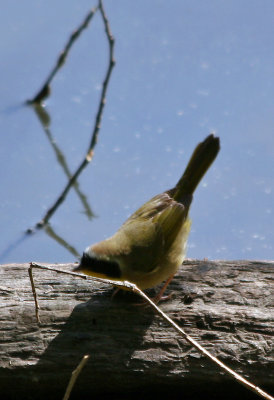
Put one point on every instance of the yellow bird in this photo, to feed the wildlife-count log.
(151, 244)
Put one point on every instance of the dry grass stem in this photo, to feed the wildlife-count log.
(74, 376)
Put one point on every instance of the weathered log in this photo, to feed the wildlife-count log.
(226, 306)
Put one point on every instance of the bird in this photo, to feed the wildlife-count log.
(151, 244)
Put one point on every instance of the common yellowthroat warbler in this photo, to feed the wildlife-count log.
(151, 245)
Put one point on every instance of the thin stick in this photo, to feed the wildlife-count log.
(97, 125)
(201, 349)
(45, 90)
(35, 265)
(44, 119)
(86, 277)
(111, 64)
(74, 376)
(132, 287)
(61, 241)
(34, 294)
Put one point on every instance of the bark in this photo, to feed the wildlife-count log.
(226, 306)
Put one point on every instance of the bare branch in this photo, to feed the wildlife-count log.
(105, 83)
(94, 136)
(45, 90)
(44, 119)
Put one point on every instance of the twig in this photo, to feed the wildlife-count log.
(44, 119)
(94, 137)
(45, 90)
(105, 83)
(35, 265)
(86, 277)
(240, 379)
(133, 288)
(49, 231)
(74, 376)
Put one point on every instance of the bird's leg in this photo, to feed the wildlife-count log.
(155, 299)
(115, 291)
(159, 296)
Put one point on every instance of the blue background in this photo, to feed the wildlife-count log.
(183, 69)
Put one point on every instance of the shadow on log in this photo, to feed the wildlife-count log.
(225, 306)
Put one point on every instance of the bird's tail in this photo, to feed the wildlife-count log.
(201, 159)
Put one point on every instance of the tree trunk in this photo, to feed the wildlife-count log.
(226, 306)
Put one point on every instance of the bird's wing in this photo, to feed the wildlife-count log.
(150, 231)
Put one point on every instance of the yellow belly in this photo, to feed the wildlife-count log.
(168, 266)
